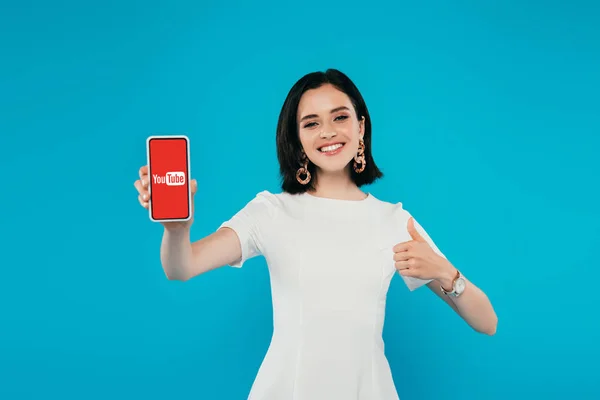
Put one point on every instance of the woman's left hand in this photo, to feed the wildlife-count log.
(417, 259)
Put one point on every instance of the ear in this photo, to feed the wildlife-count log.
(361, 127)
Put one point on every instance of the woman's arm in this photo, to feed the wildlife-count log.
(417, 258)
(472, 305)
(183, 260)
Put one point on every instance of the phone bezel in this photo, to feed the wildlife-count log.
(188, 177)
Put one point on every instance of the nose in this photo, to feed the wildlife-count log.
(327, 135)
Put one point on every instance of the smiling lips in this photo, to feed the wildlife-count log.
(331, 149)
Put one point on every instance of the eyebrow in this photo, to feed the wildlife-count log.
(331, 112)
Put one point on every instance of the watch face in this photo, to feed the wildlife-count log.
(460, 285)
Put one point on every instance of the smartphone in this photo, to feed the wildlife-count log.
(169, 175)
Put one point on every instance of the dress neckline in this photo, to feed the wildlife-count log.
(334, 200)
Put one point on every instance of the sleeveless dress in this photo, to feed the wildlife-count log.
(330, 265)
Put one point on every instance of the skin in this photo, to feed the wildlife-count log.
(325, 115)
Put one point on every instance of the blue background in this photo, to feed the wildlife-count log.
(486, 123)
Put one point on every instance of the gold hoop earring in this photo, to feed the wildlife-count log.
(359, 159)
(303, 170)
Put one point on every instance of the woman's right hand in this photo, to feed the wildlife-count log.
(144, 197)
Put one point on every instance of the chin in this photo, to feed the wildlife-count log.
(332, 166)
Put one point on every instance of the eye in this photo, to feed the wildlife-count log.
(310, 125)
(341, 117)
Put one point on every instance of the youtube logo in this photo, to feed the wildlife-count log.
(170, 179)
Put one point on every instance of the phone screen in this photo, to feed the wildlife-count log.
(168, 172)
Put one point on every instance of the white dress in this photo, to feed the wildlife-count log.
(330, 264)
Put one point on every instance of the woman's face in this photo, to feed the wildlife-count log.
(328, 127)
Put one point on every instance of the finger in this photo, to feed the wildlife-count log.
(412, 230)
(403, 256)
(143, 171)
(411, 272)
(142, 191)
(194, 185)
(138, 185)
(143, 194)
(144, 177)
(404, 246)
(142, 201)
(402, 265)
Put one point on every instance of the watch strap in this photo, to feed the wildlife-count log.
(453, 291)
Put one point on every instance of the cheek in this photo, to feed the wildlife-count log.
(308, 137)
(344, 128)
(304, 139)
(350, 130)
(307, 143)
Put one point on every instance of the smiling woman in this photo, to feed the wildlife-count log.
(329, 280)
(323, 116)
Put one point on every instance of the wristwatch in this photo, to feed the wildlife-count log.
(458, 286)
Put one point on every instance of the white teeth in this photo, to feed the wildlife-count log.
(331, 148)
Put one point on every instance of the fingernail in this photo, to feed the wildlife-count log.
(145, 197)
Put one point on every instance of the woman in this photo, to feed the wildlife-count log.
(331, 250)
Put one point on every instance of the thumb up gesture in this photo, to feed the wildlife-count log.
(417, 259)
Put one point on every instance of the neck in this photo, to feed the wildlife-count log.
(337, 186)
